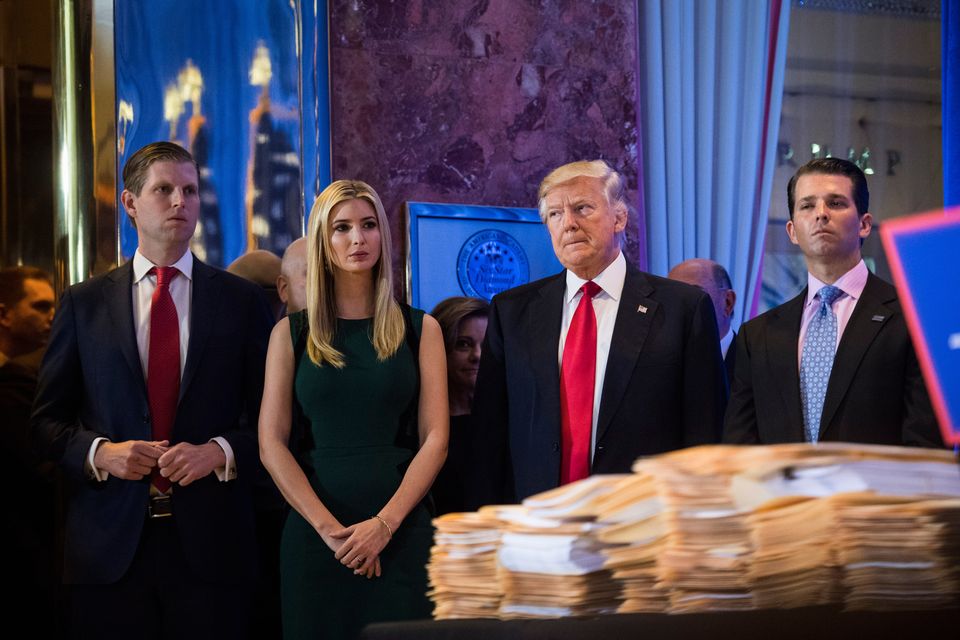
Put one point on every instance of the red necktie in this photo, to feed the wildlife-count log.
(578, 375)
(163, 362)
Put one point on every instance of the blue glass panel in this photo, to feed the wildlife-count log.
(222, 79)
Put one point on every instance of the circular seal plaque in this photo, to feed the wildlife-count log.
(491, 261)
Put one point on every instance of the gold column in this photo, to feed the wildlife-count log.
(86, 237)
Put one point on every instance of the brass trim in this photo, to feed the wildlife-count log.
(85, 222)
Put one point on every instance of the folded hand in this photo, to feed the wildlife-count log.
(362, 544)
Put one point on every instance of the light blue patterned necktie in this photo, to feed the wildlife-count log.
(816, 362)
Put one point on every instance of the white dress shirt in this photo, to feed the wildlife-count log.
(605, 306)
(181, 288)
(725, 343)
(851, 283)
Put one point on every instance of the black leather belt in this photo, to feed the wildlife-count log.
(159, 507)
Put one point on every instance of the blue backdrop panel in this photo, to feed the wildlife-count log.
(922, 252)
(468, 250)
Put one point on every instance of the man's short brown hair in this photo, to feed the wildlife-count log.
(136, 168)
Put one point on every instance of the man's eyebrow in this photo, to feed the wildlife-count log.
(829, 196)
(573, 200)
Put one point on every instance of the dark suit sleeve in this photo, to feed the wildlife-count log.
(243, 436)
(705, 386)
(740, 425)
(56, 431)
(490, 473)
(920, 425)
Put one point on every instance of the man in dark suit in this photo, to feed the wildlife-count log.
(715, 282)
(836, 362)
(31, 509)
(148, 399)
(584, 371)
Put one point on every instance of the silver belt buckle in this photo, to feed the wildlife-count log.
(159, 507)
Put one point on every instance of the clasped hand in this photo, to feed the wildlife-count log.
(361, 546)
(182, 463)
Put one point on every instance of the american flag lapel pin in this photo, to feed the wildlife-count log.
(877, 318)
(642, 309)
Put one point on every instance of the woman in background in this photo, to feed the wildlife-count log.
(355, 546)
(464, 323)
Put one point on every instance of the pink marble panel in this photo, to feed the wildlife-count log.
(474, 102)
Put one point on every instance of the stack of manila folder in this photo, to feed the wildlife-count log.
(715, 528)
(462, 571)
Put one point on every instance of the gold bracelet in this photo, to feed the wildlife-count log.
(384, 523)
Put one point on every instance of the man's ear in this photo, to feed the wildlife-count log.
(282, 286)
(729, 301)
(791, 232)
(4, 316)
(129, 202)
(866, 225)
(621, 216)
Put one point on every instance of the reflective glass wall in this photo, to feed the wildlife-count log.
(227, 80)
(862, 83)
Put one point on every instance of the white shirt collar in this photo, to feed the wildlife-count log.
(851, 283)
(610, 280)
(725, 342)
(142, 266)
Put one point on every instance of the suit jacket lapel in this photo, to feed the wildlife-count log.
(629, 333)
(118, 297)
(783, 336)
(857, 337)
(204, 302)
(545, 317)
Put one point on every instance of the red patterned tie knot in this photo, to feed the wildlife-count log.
(165, 275)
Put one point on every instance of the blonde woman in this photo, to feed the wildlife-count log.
(355, 545)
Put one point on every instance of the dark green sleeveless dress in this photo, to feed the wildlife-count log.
(355, 419)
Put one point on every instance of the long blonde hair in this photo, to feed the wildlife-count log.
(388, 325)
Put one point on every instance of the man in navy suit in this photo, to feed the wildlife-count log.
(836, 362)
(585, 371)
(148, 399)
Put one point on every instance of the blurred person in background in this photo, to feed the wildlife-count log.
(292, 281)
(31, 517)
(261, 268)
(715, 282)
(463, 322)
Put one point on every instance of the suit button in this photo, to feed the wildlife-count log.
(556, 447)
(146, 418)
(599, 448)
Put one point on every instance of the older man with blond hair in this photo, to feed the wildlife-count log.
(585, 371)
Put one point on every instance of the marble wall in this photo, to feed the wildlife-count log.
(474, 101)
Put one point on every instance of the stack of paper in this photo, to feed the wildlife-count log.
(898, 554)
(715, 528)
(463, 565)
(636, 529)
(706, 553)
(793, 562)
(851, 523)
(551, 559)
